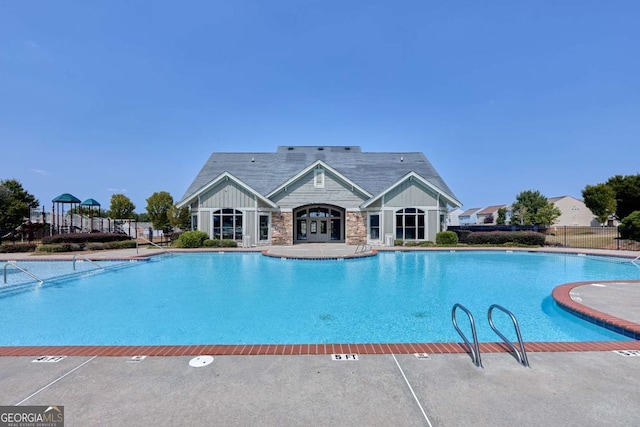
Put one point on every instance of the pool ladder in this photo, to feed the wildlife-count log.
(474, 347)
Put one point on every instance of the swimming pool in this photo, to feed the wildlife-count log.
(233, 298)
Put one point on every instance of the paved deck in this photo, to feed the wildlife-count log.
(566, 388)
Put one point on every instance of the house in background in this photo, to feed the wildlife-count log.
(489, 215)
(574, 212)
(469, 217)
(306, 194)
(453, 216)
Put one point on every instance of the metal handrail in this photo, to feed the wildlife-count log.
(635, 260)
(154, 244)
(11, 263)
(475, 347)
(86, 259)
(522, 354)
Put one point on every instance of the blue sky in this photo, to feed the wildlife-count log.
(132, 97)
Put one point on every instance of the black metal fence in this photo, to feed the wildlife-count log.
(566, 236)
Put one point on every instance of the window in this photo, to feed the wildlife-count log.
(318, 178)
(194, 222)
(227, 224)
(374, 226)
(264, 227)
(410, 224)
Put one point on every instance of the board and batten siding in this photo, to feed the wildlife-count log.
(227, 194)
(432, 225)
(303, 192)
(409, 194)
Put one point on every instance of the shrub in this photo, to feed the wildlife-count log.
(124, 244)
(426, 244)
(209, 243)
(85, 238)
(527, 238)
(191, 239)
(446, 238)
(96, 246)
(630, 226)
(17, 247)
(463, 235)
(225, 243)
(398, 242)
(412, 243)
(61, 247)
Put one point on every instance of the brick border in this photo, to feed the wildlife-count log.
(562, 296)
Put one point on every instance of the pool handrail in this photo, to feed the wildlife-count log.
(13, 264)
(86, 259)
(154, 244)
(475, 347)
(362, 248)
(520, 355)
(635, 260)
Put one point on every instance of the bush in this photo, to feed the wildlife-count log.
(412, 243)
(630, 226)
(426, 244)
(61, 247)
(85, 238)
(17, 247)
(209, 243)
(446, 238)
(527, 238)
(191, 239)
(463, 235)
(398, 242)
(96, 246)
(225, 243)
(124, 244)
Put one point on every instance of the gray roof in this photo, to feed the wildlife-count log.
(264, 172)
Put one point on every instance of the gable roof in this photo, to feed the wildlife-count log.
(491, 209)
(411, 176)
(265, 172)
(469, 212)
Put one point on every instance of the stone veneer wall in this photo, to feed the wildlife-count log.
(282, 228)
(356, 229)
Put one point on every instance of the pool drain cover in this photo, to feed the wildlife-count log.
(200, 361)
(48, 359)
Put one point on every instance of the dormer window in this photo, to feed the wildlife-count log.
(318, 178)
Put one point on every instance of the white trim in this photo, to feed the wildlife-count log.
(225, 176)
(316, 164)
(410, 177)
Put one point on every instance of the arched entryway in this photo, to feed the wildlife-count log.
(318, 223)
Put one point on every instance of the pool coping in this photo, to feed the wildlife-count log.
(561, 295)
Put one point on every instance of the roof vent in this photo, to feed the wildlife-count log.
(347, 148)
(320, 148)
(401, 159)
(290, 148)
(253, 159)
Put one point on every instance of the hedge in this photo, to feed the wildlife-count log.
(61, 247)
(17, 247)
(85, 238)
(528, 238)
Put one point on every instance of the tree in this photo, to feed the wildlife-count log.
(547, 215)
(630, 226)
(158, 206)
(15, 204)
(601, 200)
(627, 190)
(502, 216)
(121, 207)
(180, 217)
(526, 207)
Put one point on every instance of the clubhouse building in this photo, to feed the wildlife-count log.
(307, 194)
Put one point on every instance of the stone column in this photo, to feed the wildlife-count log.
(282, 228)
(356, 228)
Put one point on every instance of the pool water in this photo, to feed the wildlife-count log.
(232, 298)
